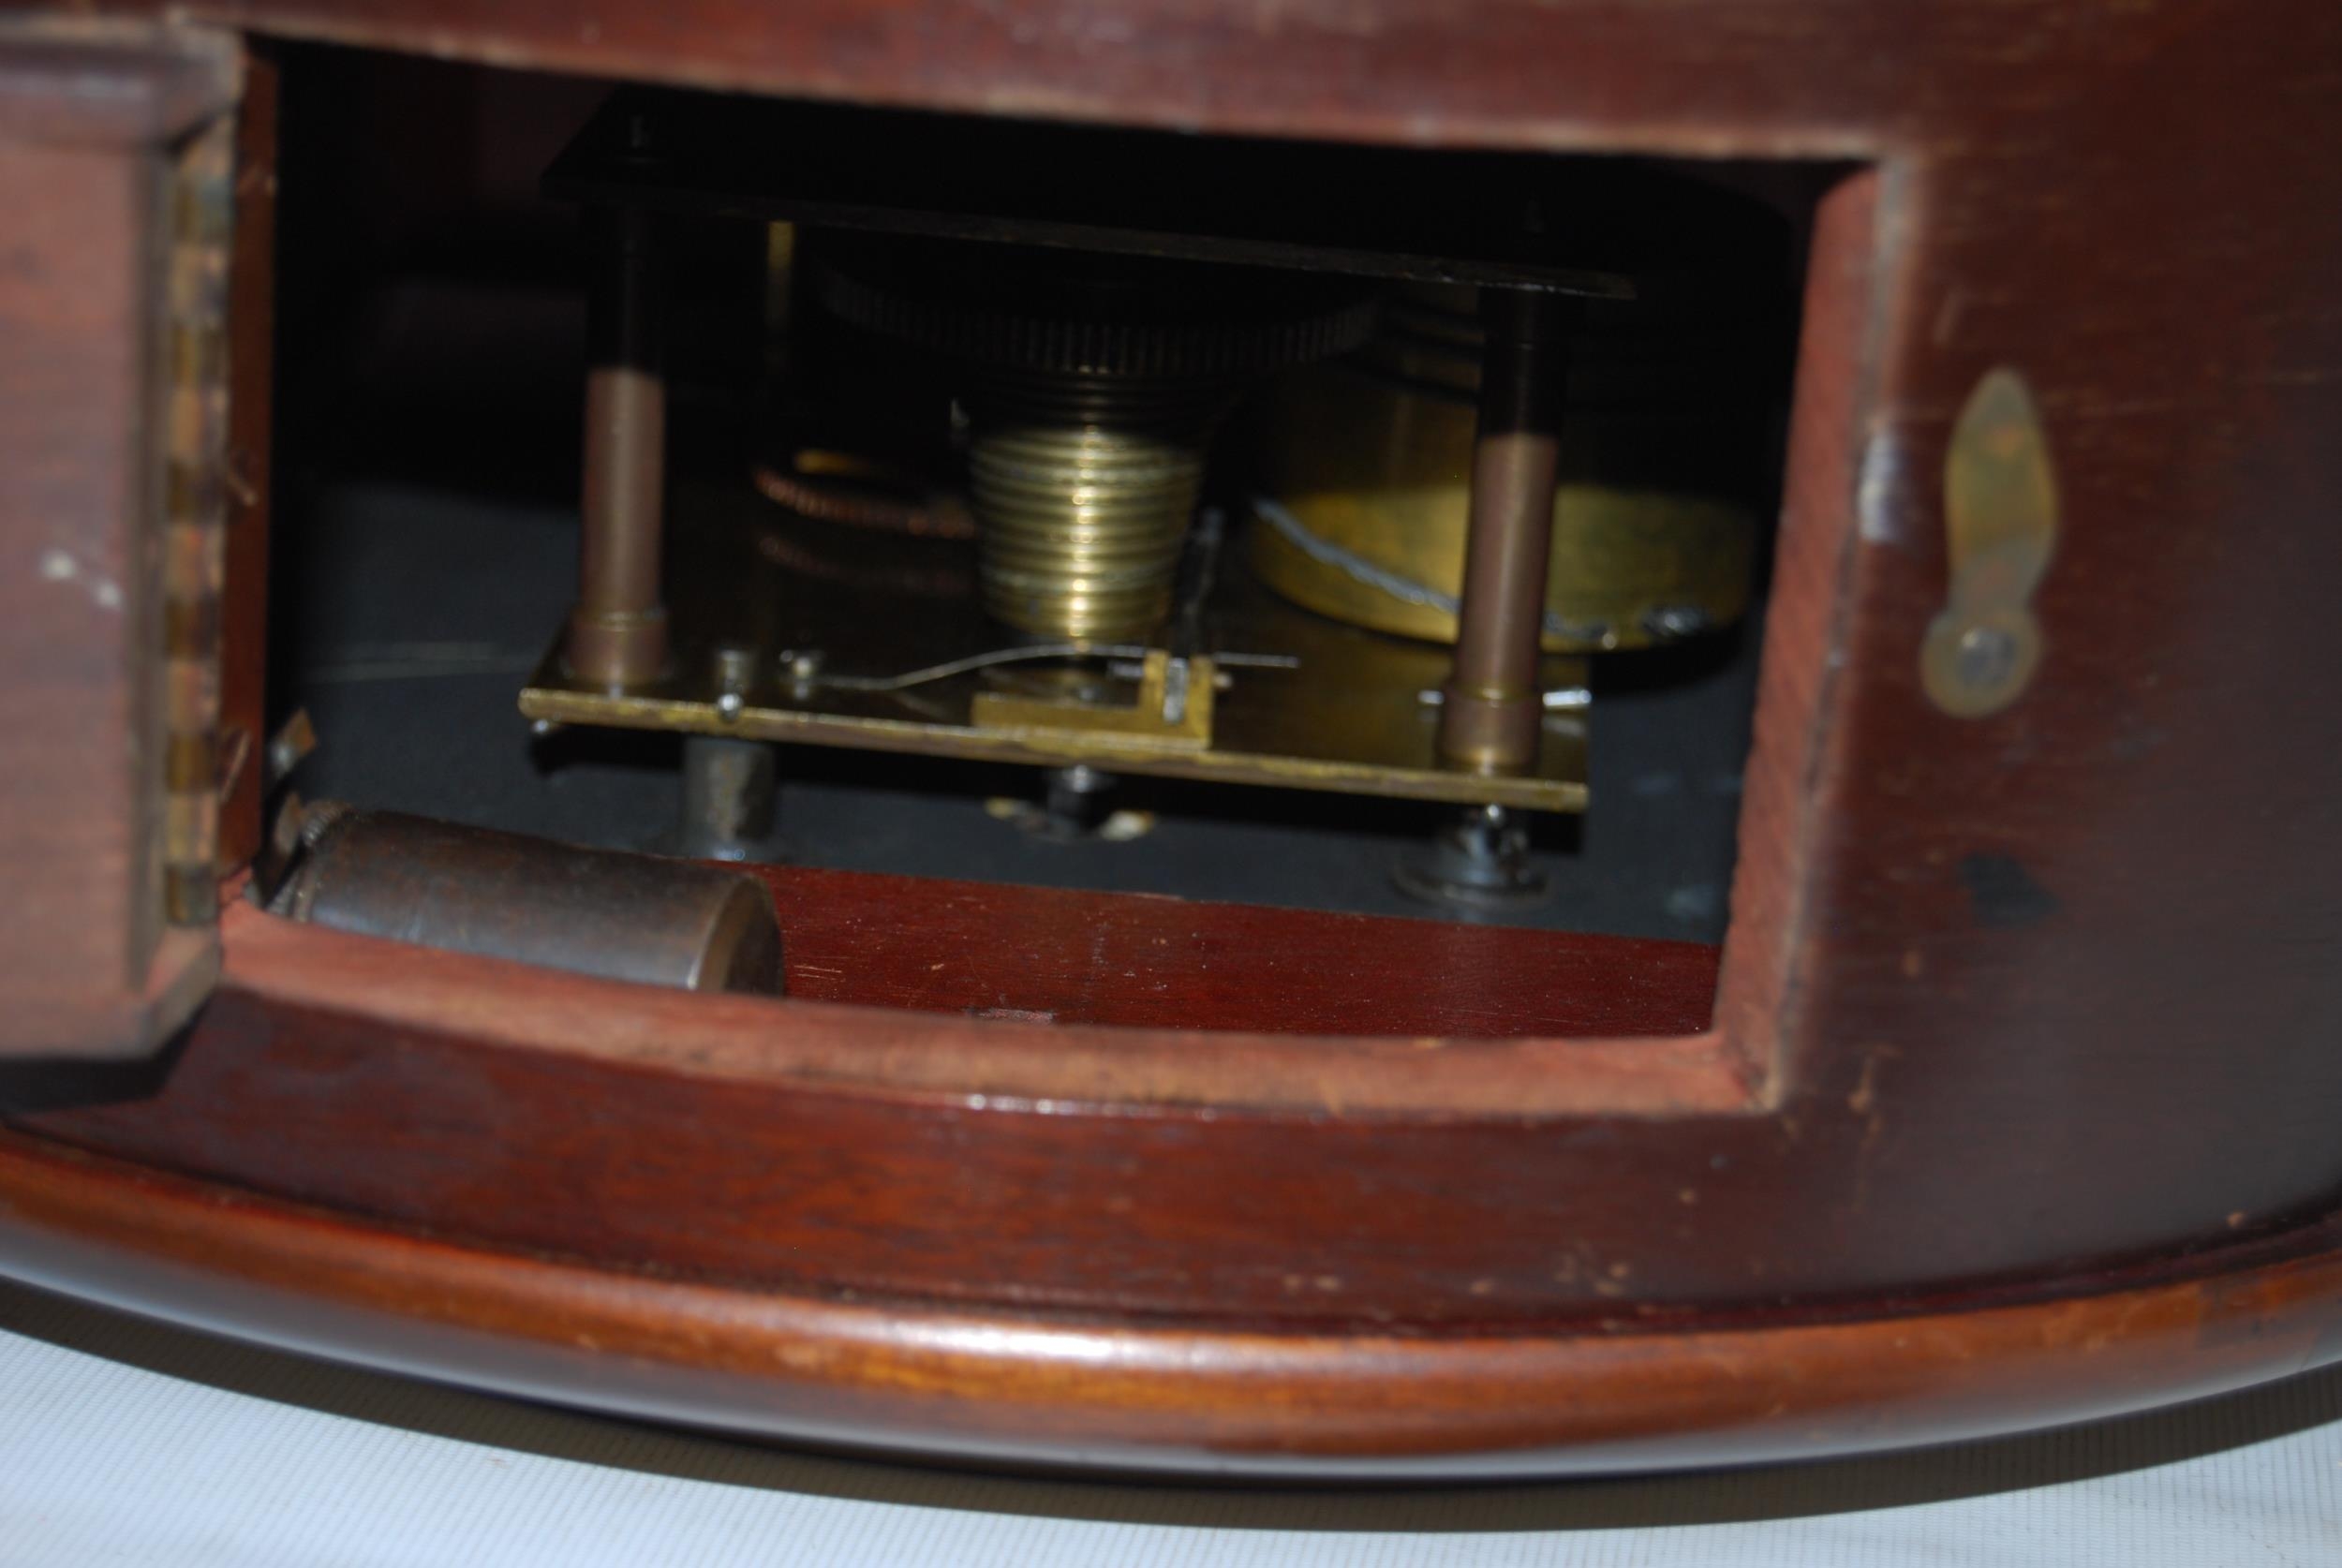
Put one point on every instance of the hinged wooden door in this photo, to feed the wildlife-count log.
(116, 166)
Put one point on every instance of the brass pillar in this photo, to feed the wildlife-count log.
(1492, 705)
(617, 635)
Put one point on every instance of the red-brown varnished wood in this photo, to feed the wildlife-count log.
(2008, 1002)
(1048, 955)
(1251, 1053)
(1000, 1386)
(825, 1147)
(2084, 947)
(1228, 1176)
(243, 599)
(1782, 812)
(87, 965)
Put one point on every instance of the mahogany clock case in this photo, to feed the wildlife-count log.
(2017, 1098)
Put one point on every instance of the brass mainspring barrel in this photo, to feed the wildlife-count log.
(1084, 488)
(1091, 384)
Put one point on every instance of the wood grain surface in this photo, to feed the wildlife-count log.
(87, 966)
(2014, 1004)
(1048, 955)
(1010, 1387)
(250, 477)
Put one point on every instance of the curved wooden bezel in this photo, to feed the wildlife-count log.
(996, 1388)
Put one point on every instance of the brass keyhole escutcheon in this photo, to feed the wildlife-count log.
(2000, 522)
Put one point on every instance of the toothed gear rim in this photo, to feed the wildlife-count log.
(1070, 313)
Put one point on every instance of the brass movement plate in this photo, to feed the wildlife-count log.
(756, 593)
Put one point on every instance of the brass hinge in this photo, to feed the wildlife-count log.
(200, 199)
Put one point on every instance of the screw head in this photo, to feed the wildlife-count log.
(734, 665)
(1671, 621)
(1973, 665)
(1985, 656)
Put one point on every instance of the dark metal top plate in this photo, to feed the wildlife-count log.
(1605, 227)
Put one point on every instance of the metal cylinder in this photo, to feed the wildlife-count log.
(1091, 385)
(506, 895)
(729, 798)
(1084, 494)
(617, 635)
(1479, 862)
(1492, 707)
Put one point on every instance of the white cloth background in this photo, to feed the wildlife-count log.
(129, 1444)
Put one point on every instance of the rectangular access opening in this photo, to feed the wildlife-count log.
(850, 313)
